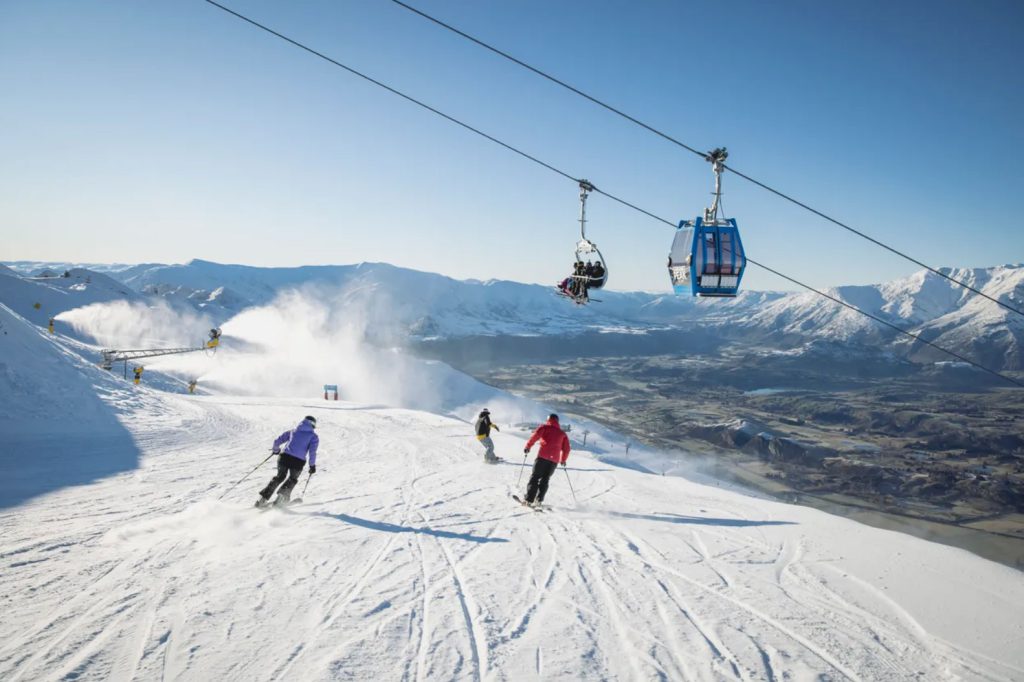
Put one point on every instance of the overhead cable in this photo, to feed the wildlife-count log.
(596, 189)
(673, 140)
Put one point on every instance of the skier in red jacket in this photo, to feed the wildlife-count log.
(554, 450)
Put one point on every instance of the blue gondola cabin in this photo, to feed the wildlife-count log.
(707, 259)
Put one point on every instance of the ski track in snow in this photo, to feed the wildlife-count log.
(408, 561)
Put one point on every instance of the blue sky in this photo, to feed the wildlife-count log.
(164, 131)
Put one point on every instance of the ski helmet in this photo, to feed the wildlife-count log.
(311, 419)
(553, 417)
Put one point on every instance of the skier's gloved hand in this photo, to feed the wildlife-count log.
(312, 469)
(526, 451)
(275, 451)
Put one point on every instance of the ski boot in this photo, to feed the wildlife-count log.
(262, 502)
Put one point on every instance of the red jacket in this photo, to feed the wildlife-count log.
(554, 444)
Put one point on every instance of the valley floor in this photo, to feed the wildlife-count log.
(408, 561)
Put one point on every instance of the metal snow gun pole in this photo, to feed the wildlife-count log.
(110, 356)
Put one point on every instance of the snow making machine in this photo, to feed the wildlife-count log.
(109, 356)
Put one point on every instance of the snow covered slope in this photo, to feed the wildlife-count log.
(56, 425)
(923, 304)
(128, 555)
(984, 331)
(408, 561)
(39, 299)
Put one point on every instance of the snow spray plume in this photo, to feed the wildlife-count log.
(121, 324)
(320, 335)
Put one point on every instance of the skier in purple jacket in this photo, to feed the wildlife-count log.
(297, 443)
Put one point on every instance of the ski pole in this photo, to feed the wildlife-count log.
(574, 501)
(299, 499)
(305, 486)
(245, 477)
(518, 480)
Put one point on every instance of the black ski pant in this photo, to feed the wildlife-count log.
(538, 485)
(287, 467)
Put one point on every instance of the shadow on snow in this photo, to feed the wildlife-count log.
(39, 464)
(394, 528)
(699, 520)
(529, 465)
(56, 431)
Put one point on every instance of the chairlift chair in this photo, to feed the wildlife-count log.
(586, 251)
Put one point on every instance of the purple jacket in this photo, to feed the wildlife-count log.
(300, 440)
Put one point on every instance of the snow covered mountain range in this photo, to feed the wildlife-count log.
(396, 303)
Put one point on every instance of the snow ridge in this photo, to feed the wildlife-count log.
(426, 305)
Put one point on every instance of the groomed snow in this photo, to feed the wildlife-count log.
(409, 561)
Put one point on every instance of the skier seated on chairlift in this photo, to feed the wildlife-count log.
(298, 443)
(597, 275)
(578, 274)
(580, 285)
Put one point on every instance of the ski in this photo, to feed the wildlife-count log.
(282, 508)
(578, 300)
(525, 504)
(276, 505)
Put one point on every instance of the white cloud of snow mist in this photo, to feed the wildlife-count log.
(305, 338)
(124, 324)
(320, 335)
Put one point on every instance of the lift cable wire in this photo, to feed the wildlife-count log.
(551, 78)
(602, 192)
(693, 150)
